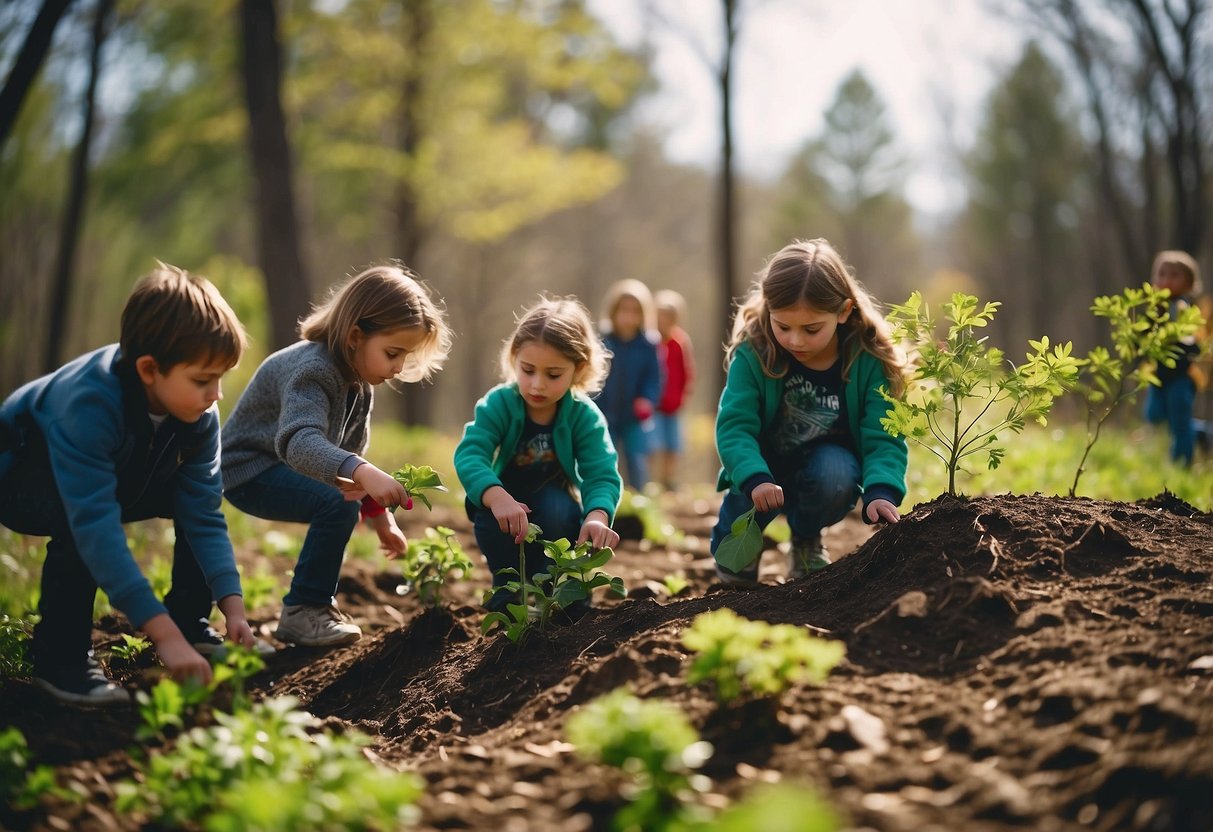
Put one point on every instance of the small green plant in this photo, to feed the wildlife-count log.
(260, 589)
(433, 562)
(163, 711)
(781, 806)
(675, 583)
(742, 656)
(270, 767)
(742, 545)
(1143, 336)
(653, 742)
(516, 619)
(417, 479)
(15, 634)
(961, 374)
(131, 648)
(655, 526)
(21, 786)
(238, 665)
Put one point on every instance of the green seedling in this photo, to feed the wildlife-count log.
(164, 709)
(237, 666)
(675, 583)
(433, 562)
(781, 806)
(741, 547)
(131, 648)
(517, 618)
(1143, 336)
(417, 479)
(753, 658)
(653, 742)
(15, 636)
(22, 786)
(963, 393)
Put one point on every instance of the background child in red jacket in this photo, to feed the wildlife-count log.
(678, 373)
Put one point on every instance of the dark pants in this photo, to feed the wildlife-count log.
(553, 509)
(281, 493)
(1173, 403)
(30, 504)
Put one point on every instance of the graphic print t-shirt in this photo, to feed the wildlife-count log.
(812, 411)
(533, 463)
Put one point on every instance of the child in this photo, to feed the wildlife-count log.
(124, 433)
(537, 441)
(633, 384)
(799, 424)
(304, 421)
(679, 367)
(1172, 402)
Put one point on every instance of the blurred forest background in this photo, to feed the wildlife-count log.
(493, 145)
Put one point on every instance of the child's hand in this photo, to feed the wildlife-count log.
(391, 539)
(236, 621)
(350, 491)
(642, 409)
(183, 661)
(511, 515)
(595, 530)
(882, 510)
(380, 485)
(768, 496)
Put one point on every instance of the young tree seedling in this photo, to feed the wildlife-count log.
(417, 479)
(432, 562)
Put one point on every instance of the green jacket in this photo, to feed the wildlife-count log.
(583, 447)
(750, 402)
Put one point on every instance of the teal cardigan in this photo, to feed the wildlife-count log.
(750, 403)
(583, 447)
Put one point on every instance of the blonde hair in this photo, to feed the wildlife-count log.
(670, 301)
(179, 318)
(813, 273)
(1185, 261)
(564, 325)
(382, 298)
(637, 291)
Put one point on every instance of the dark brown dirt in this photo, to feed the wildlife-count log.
(1036, 663)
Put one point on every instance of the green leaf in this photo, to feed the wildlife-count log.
(740, 549)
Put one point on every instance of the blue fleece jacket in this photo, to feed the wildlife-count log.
(635, 374)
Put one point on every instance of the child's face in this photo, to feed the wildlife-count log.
(185, 392)
(1172, 276)
(544, 376)
(810, 335)
(666, 318)
(380, 356)
(628, 318)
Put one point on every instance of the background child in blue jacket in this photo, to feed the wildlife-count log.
(799, 425)
(537, 449)
(632, 388)
(123, 433)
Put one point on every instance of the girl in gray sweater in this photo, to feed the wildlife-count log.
(293, 445)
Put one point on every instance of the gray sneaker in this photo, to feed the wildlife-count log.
(316, 627)
(806, 555)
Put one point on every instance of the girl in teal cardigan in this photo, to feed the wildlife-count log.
(799, 424)
(537, 443)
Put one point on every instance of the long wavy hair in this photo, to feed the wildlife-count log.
(811, 272)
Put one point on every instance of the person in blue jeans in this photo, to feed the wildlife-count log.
(632, 388)
(537, 449)
(293, 445)
(1173, 401)
(124, 433)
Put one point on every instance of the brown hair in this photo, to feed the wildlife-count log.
(813, 273)
(564, 325)
(382, 298)
(637, 291)
(1185, 261)
(179, 318)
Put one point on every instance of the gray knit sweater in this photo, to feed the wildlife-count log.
(294, 411)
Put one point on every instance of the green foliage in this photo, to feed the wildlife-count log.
(268, 768)
(260, 589)
(20, 570)
(431, 562)
(675, 583)
(753, 657)
(778, 808)
(961, 374)
(1143, 336)
(164, 710)
(131, 648)
(656, 526)
(653, 742)
(517, 620)
(417, 479)
(21, 786)
(15, 634)
(742, 545)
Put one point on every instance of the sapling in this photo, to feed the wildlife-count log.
(963, 393)
(1143, 335)
(742, 545)
(418, 479)
(516, 619)
(431, 562)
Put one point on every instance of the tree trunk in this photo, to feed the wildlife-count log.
(728, 186)
(29, 61)
(73, 214)
(278, 247)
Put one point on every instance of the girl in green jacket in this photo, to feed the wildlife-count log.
(537, 449)
(799, 424)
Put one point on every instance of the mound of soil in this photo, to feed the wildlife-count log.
(1012, 662)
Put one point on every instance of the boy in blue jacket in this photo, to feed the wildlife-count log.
(128, 432)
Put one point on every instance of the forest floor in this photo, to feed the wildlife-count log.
(1030, 662)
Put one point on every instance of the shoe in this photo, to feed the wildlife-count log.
(316, 626)
(806, 555)
(206, 640)
(747, 579)
(81, 684)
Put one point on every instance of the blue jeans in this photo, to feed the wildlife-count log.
(1172, 403)
(819, 494)
(553, 509)
(632, 442)
(281, 493)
